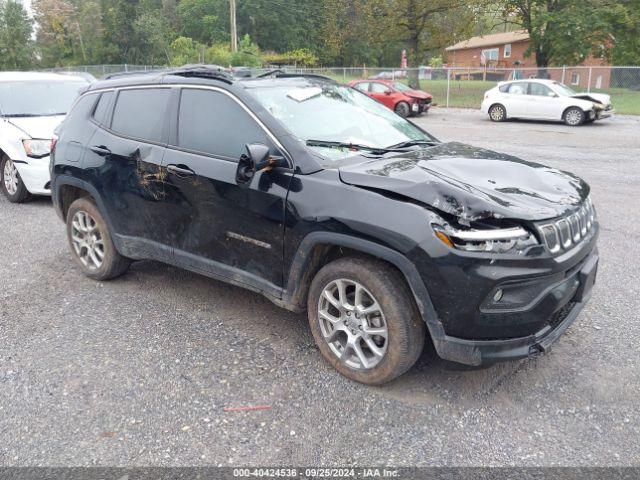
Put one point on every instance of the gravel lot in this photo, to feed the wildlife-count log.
(138, 371)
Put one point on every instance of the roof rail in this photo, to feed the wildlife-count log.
(134, 72)
(203, 71)
(199, 70)
(279, 73)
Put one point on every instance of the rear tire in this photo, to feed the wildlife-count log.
(497, 113)
(11, 183)
(403, 109)
(90, 242)
(361, 309)
(574, 116)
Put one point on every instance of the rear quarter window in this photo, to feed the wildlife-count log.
(141, 113)
(75, 121)
(102, 109)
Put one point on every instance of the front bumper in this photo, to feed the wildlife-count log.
(35, 175)
(600, 114)
(569, 296)
(420, 106)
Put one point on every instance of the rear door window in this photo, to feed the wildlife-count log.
(213, 123)
(518, 88)
(141, 113)
(363, 87)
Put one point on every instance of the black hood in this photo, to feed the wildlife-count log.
(472, 183)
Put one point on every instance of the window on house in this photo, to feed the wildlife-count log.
(507, 50)
(575, 78)
(490, 54)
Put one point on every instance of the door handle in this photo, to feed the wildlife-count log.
(180, 170)
(101, 150)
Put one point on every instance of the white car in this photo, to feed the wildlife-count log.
(544, 100)
(32, 105)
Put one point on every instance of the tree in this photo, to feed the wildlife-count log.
(206, 21)
(427, 25)
(626, 50)
(16, 46)
(565, 31)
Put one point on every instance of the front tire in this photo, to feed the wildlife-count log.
(90, 242)
(574, 116)
(364, 320)
(497, 113)
(10, 182)
(403, 109)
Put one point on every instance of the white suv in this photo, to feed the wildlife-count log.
(32, 105)
(544, 100)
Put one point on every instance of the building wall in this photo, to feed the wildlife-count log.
(577, 77)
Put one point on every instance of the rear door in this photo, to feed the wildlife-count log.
(216, 224)
(123, 160)
(517, 99)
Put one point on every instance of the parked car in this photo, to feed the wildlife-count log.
(31, 107)
(85, 75)
(386, 75)
(544, 100)
(322, 199)
(404, 100)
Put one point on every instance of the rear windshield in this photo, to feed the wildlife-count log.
(34, 98)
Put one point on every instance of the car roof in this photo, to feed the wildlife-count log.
(534, 80)
(42, 76)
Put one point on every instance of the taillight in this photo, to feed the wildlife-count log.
(54, 141)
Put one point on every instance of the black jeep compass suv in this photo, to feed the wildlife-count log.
(320, 198)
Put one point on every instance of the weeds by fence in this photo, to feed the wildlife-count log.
(462, 86)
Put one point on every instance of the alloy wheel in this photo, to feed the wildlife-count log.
(10, 177)
(574, 117)
(353, 324)
(403, 109)
(497, 113)
(87, 240)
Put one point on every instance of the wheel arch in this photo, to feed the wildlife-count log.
(319, 248)
(66, 189)
(573, 105)
(495, 104)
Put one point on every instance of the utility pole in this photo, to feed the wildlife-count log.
(234, 31)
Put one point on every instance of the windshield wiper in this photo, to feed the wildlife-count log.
(350, 146)
(412, 143)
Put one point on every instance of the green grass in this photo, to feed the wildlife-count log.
(469, 93)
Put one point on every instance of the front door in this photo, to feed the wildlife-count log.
(543, 102)
(383, 94)
(217, 225)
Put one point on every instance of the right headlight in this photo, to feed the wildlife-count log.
(514, 240)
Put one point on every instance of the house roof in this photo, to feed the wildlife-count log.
(489, 40)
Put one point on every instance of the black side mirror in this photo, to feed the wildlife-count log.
(257, 159)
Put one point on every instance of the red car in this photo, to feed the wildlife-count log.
(405, 101)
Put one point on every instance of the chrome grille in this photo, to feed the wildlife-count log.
(565, 232)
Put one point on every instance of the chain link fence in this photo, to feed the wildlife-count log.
(458, 86)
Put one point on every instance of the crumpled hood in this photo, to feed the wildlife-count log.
(36, 127)
(418, 94)
(598, 97)
(472, 183)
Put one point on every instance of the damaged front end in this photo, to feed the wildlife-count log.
(602, 107)
(513, 252)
